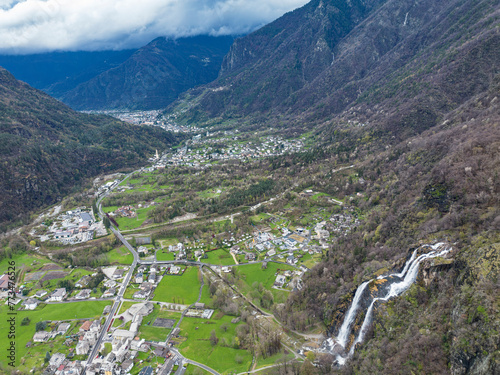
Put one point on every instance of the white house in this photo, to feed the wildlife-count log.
(58, 294)
(40, 293)
(30, 304)
(63, 328)
(82, 348)
(41, 336)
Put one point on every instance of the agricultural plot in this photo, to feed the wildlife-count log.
(120, 256)
(223, 357)
(219, 257)
(29, 262)
(127, 223)
(179, 289)
(157, 325)
(252, 275)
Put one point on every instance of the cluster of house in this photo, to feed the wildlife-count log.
(147, 279)
(342, 224)
(102, 189)
(199, 311)
(43, 336)
(290, 279)
(271, 146)
(179, 249)
(60, 365)
(125, 346)
(73, 227)
(32, 302)
(126, 211)
(267, 242)
(136, 117)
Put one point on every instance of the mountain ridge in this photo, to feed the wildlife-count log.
(39, 134)
(397, 41)
(153, 76)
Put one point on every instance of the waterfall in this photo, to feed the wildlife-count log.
(351, 314)
(401, 282)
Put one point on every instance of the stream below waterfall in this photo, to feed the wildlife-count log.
(387, 286)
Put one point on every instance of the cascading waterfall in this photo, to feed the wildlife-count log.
(401, 282)
(351, 314)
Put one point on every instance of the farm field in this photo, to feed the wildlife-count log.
(120, 256)
(179, 289)
(222, 358)
(220, 257)
(153, 333)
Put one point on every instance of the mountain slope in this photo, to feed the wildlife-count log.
(331, 55)
(407, 92)
(58, 72)
(154, 75)
(47, 149)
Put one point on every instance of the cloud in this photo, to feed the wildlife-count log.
(28, 26)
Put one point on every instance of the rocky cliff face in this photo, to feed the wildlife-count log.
(333, 56)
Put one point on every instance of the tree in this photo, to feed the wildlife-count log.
(106, 222)
(213, 338)
(40, 326)
(26, 321)
(47, 357)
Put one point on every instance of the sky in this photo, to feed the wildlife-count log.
(32, 26)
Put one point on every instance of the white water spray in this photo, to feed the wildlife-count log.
(351, 314)
(403, 280)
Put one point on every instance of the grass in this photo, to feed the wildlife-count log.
(194, 370)
(205, 295)
(210, 193)
(166, 242)
(120, 256)
(27, 261)
(127, 223)
(220, 257)
(258, 218)
(262, 362)
(161, 255)
(125, 306)
(63, 311)
(150, 333)
(179, 289)
(253, 273)
(220, 358)
(316, 196)
(310, 260)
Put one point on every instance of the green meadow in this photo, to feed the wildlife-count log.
(179, 289)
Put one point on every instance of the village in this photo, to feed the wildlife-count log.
(148, 306)
(69, 228)
(200, 153)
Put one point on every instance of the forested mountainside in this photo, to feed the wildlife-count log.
(154, 75)
(407, 92)
(416, 60)
(48, 149)
(58, 72)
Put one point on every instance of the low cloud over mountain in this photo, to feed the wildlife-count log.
(28, 26)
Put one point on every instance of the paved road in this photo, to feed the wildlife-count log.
(184, 359)
(137, 260)
(119, 296)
